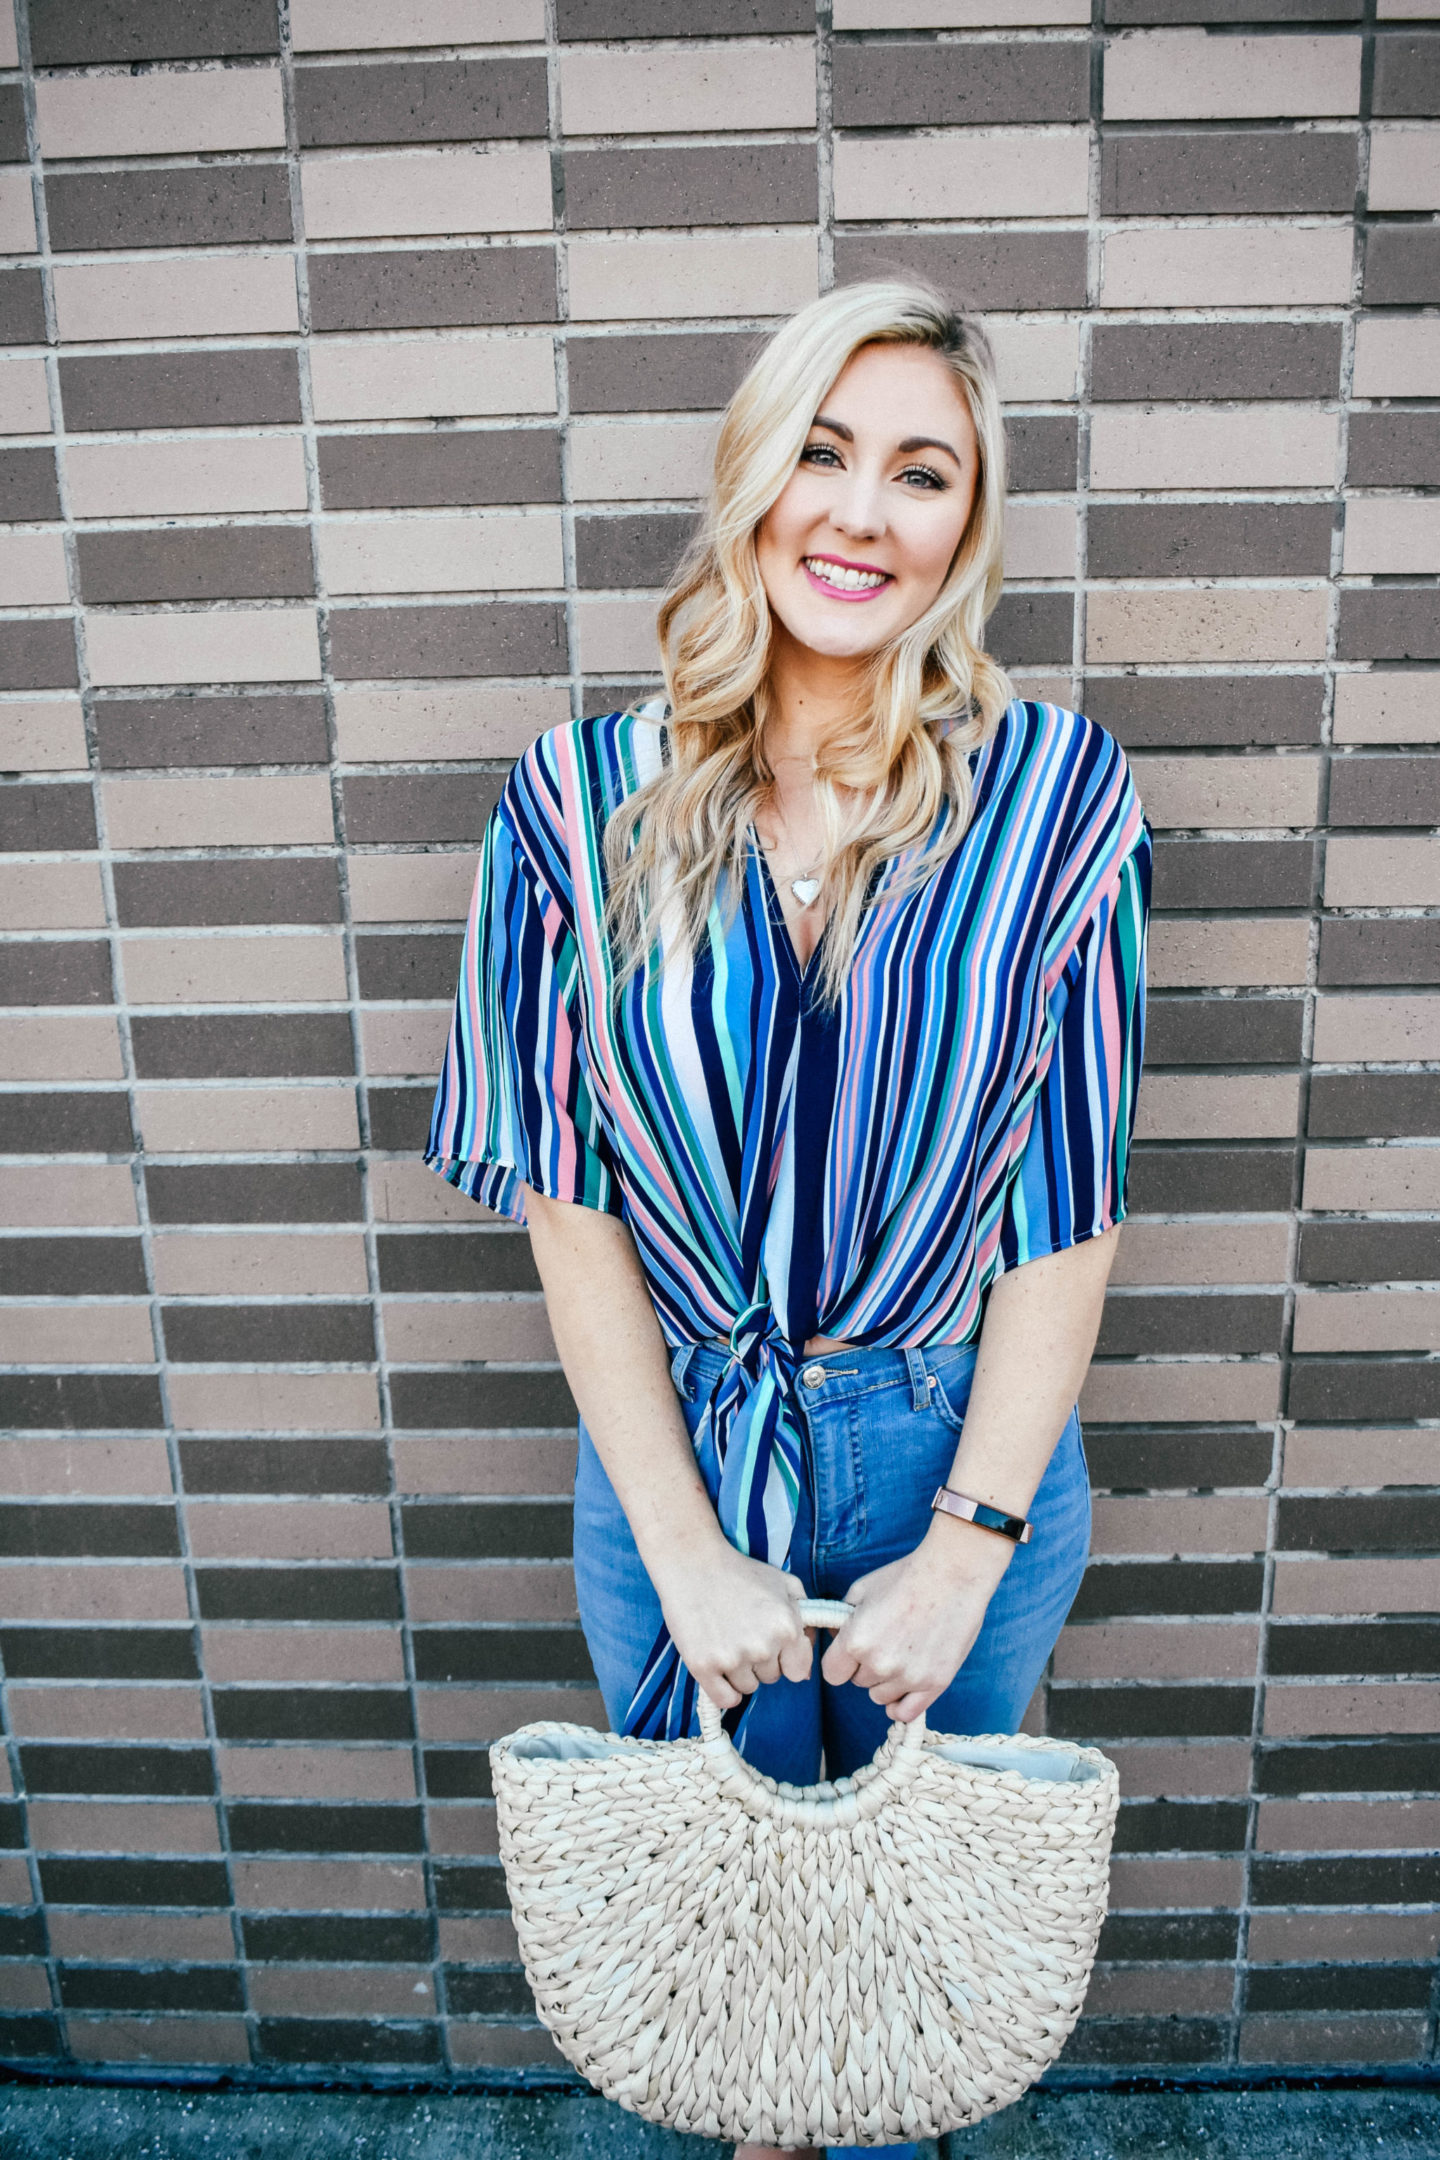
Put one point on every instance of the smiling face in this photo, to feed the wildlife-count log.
(863, 534)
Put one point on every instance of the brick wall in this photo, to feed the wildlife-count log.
(355, 412)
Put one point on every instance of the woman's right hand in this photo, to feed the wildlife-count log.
(735, 1623)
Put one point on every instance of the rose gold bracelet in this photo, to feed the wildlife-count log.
(1013, 1527)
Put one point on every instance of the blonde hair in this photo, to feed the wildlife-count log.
(933, 693)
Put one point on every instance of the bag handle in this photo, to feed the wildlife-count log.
(846, 1800)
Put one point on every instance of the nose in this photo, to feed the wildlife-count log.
(857, 508)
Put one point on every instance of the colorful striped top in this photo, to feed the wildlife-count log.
(788, 1168)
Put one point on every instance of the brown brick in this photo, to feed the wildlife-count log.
(176, 206)
(138, 732)
(747, 184)
(431, 288)
(417, 101)
(496, 637)
(1402, 265)
(81, 33)
(22, 308)
(1253, 539)
(684, 371)
(1215, 360)
(179, 389)
(469, 466)
(987, 270)
(1240, 172)
(1394, 449)
(923, 84)
(1389, 623)
(1407, 74)
(1155, 712)
(222, 562)
(578, 19)
(27, 485)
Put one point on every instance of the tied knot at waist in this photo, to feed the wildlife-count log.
(756, 1339)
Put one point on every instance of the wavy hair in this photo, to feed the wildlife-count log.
(930, 696)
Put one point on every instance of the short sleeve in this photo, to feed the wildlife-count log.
(1071, 1143)
(513, 1104)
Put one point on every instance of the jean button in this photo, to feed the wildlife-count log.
(813, 1375)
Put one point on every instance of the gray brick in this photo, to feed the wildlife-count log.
(240, 889)
(495, 637)
(983, 269)
(1249, 539)
(747, 184)
(55, 971)
(659, 19)
(81, 33)
(1137, 361)
(138, 732)
(38, 655)
(28, 489)
(1041, 452)
(81, 1402)
(1402, 266)
(412, 101)
(241, 1046)
(181, 390)
(432, 288)
(1032, 629)
(22, 308)
(254, 1192)
(453, 465)
(1387, 622)
(1175, 711)
(91, 1121)
(43, 819)
(1239, 171)
(14, 149)
(919, 83)
(684, 371)
(1407, 74)
(1380, 952)
(1233, 11)
(1394, 449)
(639, 548)
(1234, 874)
(301, 1334)
(174, 206)
(1385, 791)
(413, 964)
(218, 562)
(403, 809)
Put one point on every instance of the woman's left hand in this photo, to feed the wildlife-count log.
(916, 1620)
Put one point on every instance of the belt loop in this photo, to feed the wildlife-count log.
(680, 1365)
(919, 1379)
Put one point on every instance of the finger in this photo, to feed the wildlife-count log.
(720, 1692)
(886, 1692)
(910, 1706)
(768, 1672)
(797, 1658)
(743, 1678)
(839, 1665)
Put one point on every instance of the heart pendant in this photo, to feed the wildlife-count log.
(805, 889)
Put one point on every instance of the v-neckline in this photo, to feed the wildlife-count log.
(776, 909)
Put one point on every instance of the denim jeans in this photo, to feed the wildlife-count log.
(881, 1429)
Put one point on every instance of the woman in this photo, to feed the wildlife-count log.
(802, 1027)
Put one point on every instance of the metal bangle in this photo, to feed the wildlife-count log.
(1014, 1527)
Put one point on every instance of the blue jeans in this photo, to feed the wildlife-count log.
(881, 1430)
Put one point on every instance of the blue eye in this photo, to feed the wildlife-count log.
(815, 451)
(924, 474)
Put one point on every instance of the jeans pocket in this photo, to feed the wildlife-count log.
(950, 1390)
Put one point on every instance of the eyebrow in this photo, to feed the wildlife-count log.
(911, 442)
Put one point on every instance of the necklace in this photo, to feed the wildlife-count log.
(805, 885)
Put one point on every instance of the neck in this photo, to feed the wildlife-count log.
(812, 695)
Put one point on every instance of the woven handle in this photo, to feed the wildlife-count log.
(864, 1794)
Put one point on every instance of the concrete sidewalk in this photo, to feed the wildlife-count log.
(90, 2122)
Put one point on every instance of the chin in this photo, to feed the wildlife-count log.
(819, 632)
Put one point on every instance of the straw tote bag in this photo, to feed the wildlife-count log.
(883, 1958)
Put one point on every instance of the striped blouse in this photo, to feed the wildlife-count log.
(786, 1169)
